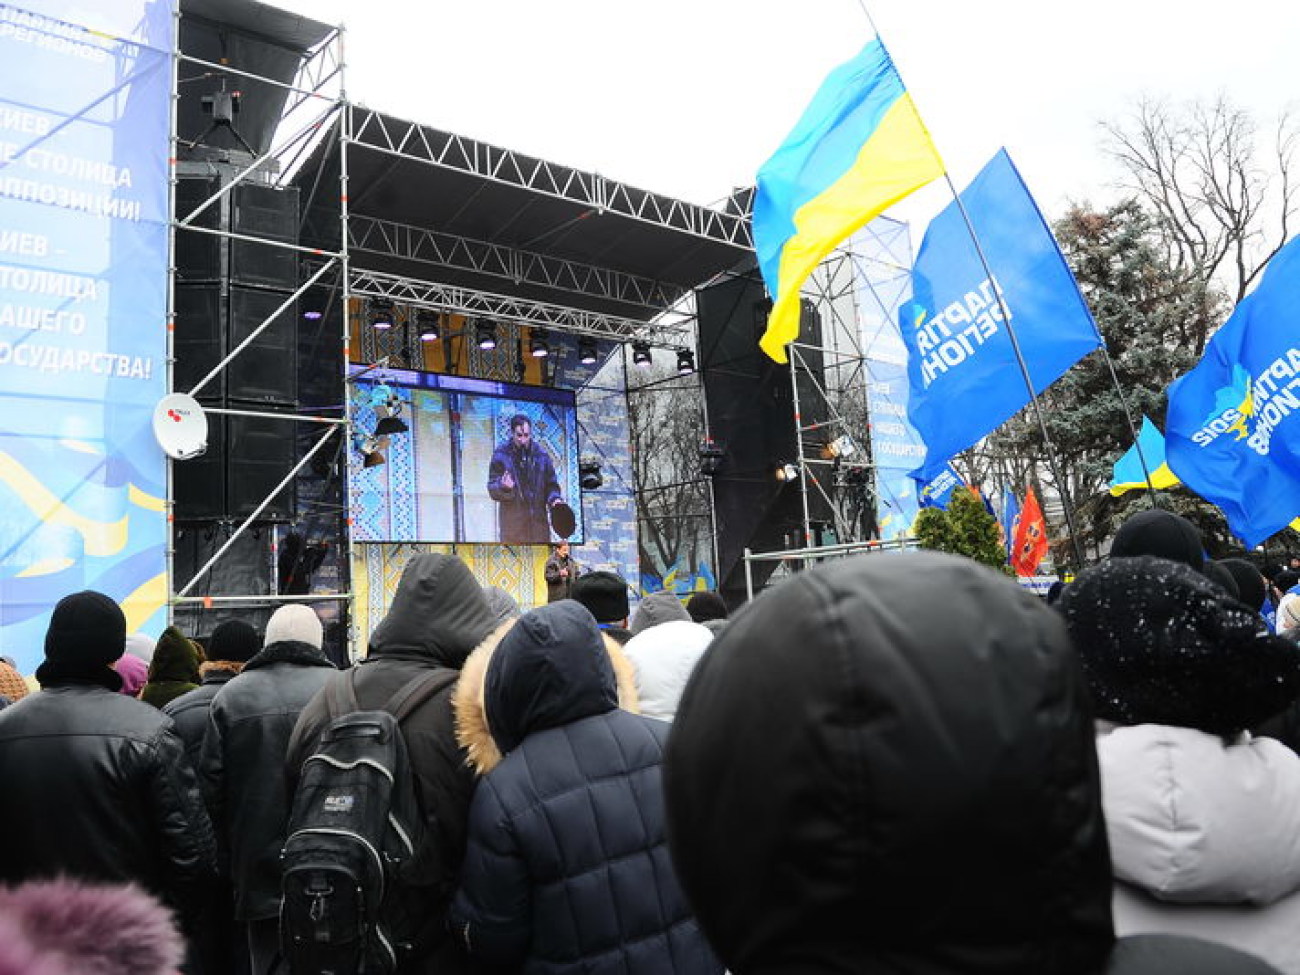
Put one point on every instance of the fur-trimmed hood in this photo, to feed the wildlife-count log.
(214, 671)
(472, 731)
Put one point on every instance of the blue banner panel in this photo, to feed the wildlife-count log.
(83, 290)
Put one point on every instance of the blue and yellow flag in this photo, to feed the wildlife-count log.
(859, 148)
(962, 363)
(1127, 474)
(1233, 430)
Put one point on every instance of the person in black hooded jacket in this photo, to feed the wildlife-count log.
(855, 784)
(438, 615)
(567, 869)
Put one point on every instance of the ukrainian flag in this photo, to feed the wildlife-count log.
(859, 148)
(1127, 473)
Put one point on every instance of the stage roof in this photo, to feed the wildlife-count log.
(437, 207)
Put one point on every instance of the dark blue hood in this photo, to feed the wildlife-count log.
(551, 669)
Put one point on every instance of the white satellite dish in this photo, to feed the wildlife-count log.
(180, 426)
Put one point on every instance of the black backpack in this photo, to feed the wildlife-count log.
(354, 831)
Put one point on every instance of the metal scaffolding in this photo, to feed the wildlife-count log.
(314, 99)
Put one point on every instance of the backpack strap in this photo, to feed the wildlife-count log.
(341, 694)
(419, 690)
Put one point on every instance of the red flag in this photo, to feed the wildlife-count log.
(1029, 544)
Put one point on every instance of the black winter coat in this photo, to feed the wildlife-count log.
(857, 784)
(568, 869)
(242, 766)
(96, 785)
(438, 615)
(190, 710)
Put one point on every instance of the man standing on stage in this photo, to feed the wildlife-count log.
(561, 569)
(522, 478)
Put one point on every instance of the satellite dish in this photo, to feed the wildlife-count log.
(180, 426)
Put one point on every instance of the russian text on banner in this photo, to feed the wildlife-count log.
(1128, 473)
(858, 148)
(1233, 430)
(964, 377)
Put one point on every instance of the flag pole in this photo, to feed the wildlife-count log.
(1024, 373)
(1015, 342)
(1128, 418)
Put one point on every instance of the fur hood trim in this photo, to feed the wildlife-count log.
(216, 668)
(472, 731)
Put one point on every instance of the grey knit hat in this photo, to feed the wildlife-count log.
(656, 608)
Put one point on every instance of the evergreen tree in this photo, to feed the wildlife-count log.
(963, 528)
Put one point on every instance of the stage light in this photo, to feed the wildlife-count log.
(426, 324)
(842, 446)
(587, 351)
(313, 314)
(538, 346)
(711, 457)
(589, 475)
(388, 408)
(381, 313)
(485, 336)
(786, 472)
(641, 354)
(685, 362)
(369, 449)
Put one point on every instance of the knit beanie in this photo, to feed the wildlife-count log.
(656, 608)
(295, 623)
(1162, 534)
(1222, 578)
(233, 640)
(87, 633)
(1161, 644)
(1250, 582)
(12, 684)
(604, 594)
(706, 606)
(1288, 613)
(140, 645)
(134, 673)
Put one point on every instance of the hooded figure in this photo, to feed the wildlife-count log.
(250, 721)
(663, 657)
(858, 784)
(173, 671)
(438, 615)
(233, 644)
(1201, 816)
(567, 869)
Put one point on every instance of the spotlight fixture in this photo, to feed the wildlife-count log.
(786, 472)
(641, 354)
(711, 457)
(381, 313)
(589, 475)
(842, 446)
(685, 362)
(313, 314)
(388, 408)
(538, 346)
(485, 335)
(587, 351)
(426, 324)
(369, 448)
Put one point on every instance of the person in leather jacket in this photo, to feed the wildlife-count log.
(97, 785)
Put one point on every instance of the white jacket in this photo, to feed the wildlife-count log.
(664, 657)
(1205, 838)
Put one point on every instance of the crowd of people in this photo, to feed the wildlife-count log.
(901, 763)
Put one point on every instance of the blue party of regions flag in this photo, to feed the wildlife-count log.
(964, 377)
(1233, 426)
(938, 492)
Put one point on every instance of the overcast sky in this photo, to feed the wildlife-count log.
(688, 97)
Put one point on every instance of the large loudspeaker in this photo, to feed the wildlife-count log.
(227, 288)
(247, 456)
(752, 417)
